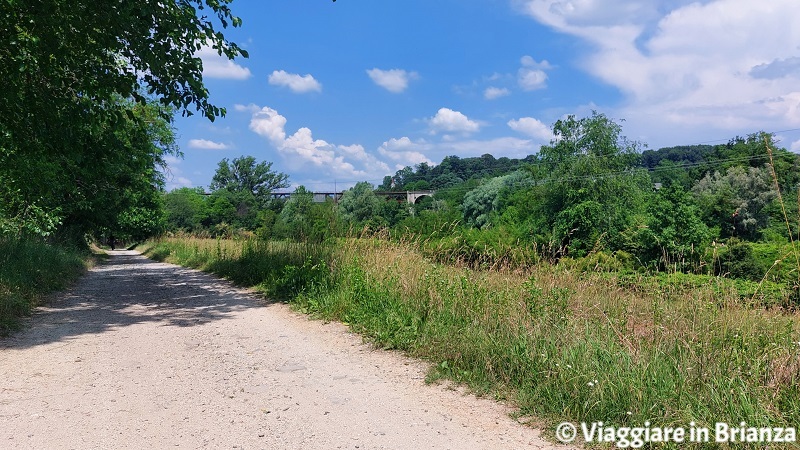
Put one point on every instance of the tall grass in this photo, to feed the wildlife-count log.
(282, 270)
(29, 270)
(557, 344)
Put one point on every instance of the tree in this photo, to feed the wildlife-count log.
(244, 175)
(592, 188)
(675, 236)
(446, 180)
(54, 50)
(485, 199)
(736, 203)
(304, 220)
(83, 108)
(184, 208)
(359, 203)
(105, 170)
(245, 185)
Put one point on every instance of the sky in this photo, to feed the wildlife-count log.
(337, 93)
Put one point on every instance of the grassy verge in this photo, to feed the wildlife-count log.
(557, 344)
(29, 270)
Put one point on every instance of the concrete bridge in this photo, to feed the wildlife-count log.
(411, 197)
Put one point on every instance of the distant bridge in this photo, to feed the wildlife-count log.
(321, 197)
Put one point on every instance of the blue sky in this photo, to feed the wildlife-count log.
(335, 93)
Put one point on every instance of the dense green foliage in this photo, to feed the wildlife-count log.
(88, 96)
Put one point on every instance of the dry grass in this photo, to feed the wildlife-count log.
(542, 336)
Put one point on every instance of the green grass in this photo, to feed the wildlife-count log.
(29, 270)
(557, 344)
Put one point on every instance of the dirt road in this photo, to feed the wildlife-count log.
(148, 355)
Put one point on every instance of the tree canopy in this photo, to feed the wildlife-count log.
(244, 174)
(89, 91)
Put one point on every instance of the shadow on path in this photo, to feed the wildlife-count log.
(128, 289)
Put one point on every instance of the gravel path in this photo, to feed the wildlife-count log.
(142, 354)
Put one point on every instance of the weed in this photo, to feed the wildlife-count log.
(29, 270)
(557, 343)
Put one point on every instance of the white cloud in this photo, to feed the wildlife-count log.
(795, 147)
(532, 76)
(205, 144)
(251, 108)
(492, 92)
(219, 66)
(316, 151)
(393, 80)
(504, 146)
(268, 123)
(447, 120)
(711, 68)
(303, 153)
(405, 152)
(531, 127)
(297, 83)
(358, 153)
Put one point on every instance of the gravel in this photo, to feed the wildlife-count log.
(141, 354)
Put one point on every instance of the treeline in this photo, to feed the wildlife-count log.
(592, 197)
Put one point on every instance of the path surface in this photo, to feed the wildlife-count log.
(149, 355)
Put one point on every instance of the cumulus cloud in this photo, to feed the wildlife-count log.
(268, 123)
(679, 64)
(492, 93)
(303, 152)
(532, 76)
(447, 120)
(297, 83)
(405, 152)
(393, 80)
(219, 66)
(531, 127)
(504, 146)
(205, 144)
